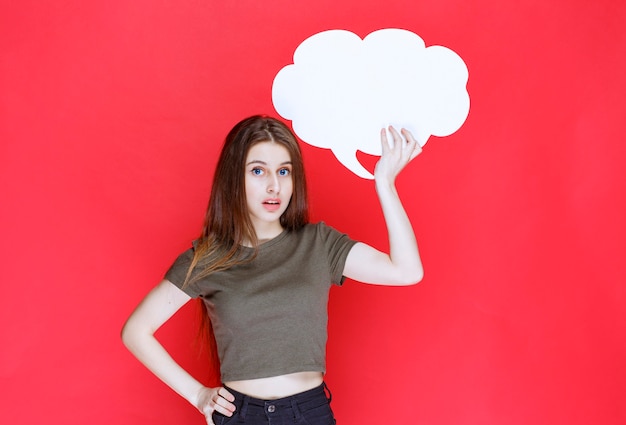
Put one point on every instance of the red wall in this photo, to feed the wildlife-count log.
(111, 115)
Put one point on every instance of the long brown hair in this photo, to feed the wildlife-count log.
(227, 223)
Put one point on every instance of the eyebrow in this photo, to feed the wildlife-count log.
(258, 161)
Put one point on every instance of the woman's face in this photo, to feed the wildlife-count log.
(269, 186)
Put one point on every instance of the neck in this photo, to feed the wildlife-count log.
(265, 232)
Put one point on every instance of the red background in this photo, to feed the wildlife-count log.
(111, 116)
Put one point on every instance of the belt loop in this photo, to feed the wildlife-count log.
(297, 416)
(244, 407)
(329, 396)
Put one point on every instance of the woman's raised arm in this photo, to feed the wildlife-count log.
(402, 266)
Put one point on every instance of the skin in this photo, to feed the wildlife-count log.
(268, 180)
(268, 187)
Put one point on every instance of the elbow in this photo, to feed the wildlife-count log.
(409, 272)
(126, 335)
(130, 334)
(412, 277)
(415, 279)
(135, 334)
(418, 277)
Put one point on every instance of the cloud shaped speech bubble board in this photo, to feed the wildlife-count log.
(341, 90)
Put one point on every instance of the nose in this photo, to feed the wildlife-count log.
(273, 185)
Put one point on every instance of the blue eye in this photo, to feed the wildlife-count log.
(257, 171)
(284, 172)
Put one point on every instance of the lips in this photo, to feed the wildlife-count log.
(271, 204)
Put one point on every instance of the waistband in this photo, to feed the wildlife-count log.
(297, 403)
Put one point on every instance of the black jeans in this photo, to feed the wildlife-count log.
(310, 407)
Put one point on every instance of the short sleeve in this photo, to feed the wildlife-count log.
(338, 246)
(178, 272)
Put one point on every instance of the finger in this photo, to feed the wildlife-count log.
(223, 392)
(411, 142)
(225, 407)
(384, 141)
(409, 136)
(397, 138)
(413, 146)
(416, 152)
(225, 399)
(222, 404)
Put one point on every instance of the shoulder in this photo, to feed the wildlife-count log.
(317, 230)
(320, 227)
(325, 235)
(178, 270)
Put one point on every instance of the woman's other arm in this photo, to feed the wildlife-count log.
(138, 336)
(402, 266)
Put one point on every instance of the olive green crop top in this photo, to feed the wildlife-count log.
(269, 316)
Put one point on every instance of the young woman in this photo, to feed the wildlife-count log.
(263, 273)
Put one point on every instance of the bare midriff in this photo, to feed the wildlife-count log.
(278, 386)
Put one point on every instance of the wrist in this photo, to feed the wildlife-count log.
(384, 184)
(195, 396)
